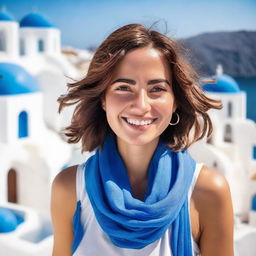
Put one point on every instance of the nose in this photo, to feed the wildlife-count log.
(141, 103)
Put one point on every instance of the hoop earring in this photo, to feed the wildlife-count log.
(178, 119)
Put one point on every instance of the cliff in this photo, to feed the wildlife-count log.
(236, 51)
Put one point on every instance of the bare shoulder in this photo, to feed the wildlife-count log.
(211, 184)
(211, 193)
(64, 187)
(63, 206)
(66, 177)
(212, 200)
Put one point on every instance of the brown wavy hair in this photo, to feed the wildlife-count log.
(89, 123)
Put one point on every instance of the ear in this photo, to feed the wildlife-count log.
(103, 103)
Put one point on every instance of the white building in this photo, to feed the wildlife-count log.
(29, 151)
(35, 45)
(33, 73)
(231, 147)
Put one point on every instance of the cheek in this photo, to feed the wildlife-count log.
(117, 102)
(112, 104)
(113, 108)
(165, 105)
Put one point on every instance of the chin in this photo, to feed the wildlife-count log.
(141, 140)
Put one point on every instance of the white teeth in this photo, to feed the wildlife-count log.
(136, 122)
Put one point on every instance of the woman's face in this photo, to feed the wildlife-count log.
(139, 102)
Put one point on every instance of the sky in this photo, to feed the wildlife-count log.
(86, 23)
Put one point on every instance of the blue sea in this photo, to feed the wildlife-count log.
(249, 86)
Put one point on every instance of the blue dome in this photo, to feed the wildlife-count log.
(8, 221)
(225, 84)
(35, 20)
(16, 80)
(5, 16)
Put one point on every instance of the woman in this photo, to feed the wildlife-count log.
(140, 106)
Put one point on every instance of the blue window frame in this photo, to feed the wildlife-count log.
(254, 152)
(23, 124)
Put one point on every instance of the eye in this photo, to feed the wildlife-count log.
(158, 89)
(123, 88)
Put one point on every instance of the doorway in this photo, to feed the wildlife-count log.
(12, 186)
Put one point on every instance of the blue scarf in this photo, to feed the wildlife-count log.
(130, 222)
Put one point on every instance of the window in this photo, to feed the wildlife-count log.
(41, 45)
(230, 109)
(254, 152)
(22, 47)
(2, 40)
(228, 133)
(23, 125)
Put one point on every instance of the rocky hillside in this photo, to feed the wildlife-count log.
(236, 51)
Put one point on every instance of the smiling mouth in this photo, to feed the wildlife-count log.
(138, 122)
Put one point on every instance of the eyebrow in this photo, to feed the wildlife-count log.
(133, 82)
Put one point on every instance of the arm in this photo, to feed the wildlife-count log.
(63, 204)
(214, 205)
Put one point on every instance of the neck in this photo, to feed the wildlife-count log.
(136, 159)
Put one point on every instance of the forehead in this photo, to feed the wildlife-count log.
(143, 61)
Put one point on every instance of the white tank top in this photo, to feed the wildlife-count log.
(96, 243)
